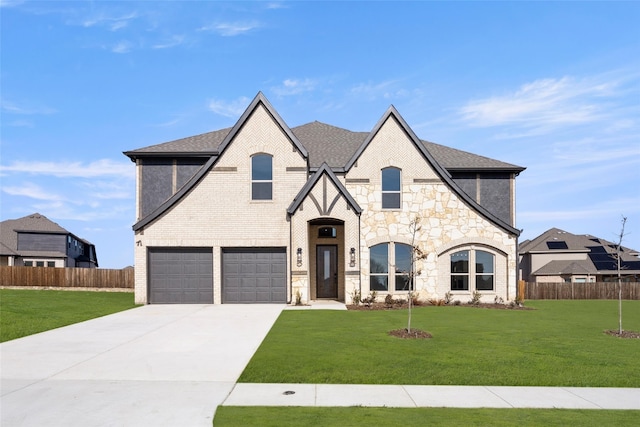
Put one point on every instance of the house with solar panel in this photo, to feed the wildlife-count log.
(557, 256)
(266, 213)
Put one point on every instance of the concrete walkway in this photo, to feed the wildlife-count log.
(412, 396)
(172, 365)
(159, 365)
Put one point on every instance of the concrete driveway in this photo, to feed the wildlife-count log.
(156, 365)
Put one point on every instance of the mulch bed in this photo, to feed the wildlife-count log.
(624, 334)
(415, 333)
(385, 306)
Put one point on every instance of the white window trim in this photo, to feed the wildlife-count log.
(472, 274)
(383, 192)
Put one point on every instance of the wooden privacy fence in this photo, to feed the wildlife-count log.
(595, 290)
(97, 278)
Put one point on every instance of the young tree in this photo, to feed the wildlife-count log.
(618, 256)
(416, 255)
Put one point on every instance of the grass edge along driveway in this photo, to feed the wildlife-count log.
(557, 343)
(26, 311)
(359, 416)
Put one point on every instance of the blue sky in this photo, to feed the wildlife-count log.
(551, 86)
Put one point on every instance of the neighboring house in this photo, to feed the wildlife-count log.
(36, 241)
(261, 212)
(558, 256)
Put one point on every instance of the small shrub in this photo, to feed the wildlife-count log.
(356, 297)
(415, 298)
(456, 302)
(298, 297)
(475, 298)
(498, 300)
(373, 295)
(448, 298)
(388, 300)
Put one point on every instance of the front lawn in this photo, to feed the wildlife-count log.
(358, 416)
(26, 312)
(559, 343)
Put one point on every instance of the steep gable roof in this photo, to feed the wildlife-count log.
(392, 114)
(260, 99)
(306, 189)
(325, 144)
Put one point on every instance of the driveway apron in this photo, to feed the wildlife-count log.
(160, 365)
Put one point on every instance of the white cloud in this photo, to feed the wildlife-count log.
(230, 29)
(32, 191)
(172, 42)
(295, 87)
(546, 104)
(103, 167)
(386, 90)
(122, 47)
(229, 109)
(11, 3)
(10, 107)
(114, 23)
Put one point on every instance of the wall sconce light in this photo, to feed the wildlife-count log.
(139, 243)
(299, 253)
(352, 262)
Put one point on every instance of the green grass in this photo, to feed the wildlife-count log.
(560, 343)
(26, 312)
(359, 416)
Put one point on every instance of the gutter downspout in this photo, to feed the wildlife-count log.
(290, 261)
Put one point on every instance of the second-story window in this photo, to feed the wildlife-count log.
(261, 177)
(391, 188)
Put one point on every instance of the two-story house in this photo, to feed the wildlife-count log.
(557, 256)
(36, 241)
(261, 212)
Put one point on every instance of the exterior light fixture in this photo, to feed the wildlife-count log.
(299, 253)
(352, 262)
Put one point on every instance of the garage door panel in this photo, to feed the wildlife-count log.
(253, 275)
(180, 275)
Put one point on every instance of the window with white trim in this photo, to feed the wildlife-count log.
(391, 195)
(390, 267)
(261, 177)
(472, 269)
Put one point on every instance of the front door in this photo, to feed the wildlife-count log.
(327, 271)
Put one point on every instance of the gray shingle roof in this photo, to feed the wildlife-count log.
(33, 222)
(594, 247)
(206, 143)
(569, 267)
(325, 144)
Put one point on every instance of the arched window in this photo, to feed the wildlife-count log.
(391, 188)
(472, 270)
(390, 267)
(261, 177)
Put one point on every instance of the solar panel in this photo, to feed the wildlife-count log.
(557, 244)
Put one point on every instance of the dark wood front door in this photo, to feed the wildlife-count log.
(327, 271)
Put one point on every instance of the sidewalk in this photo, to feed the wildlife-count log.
(412, 396)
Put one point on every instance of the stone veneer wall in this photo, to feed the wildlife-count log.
(447, 221)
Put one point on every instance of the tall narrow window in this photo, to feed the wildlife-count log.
(391, 188)
(379, 267)
(484, 271)
(403, 267)
(460, 271)
(261, 177)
